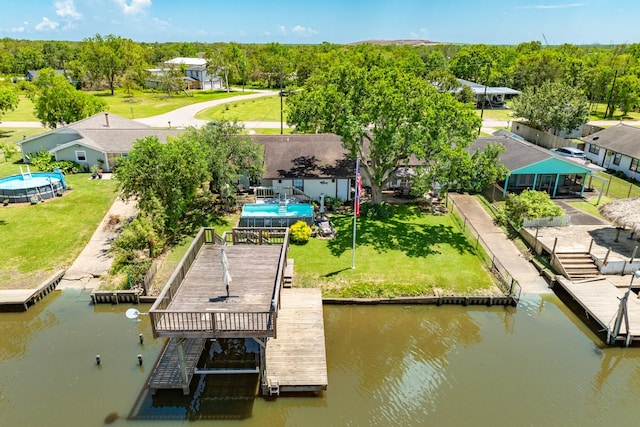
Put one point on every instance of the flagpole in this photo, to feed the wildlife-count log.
(356, 207)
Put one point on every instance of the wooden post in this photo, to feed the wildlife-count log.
(606, 257)
(633, 255)
(555, 243)
(590, 246)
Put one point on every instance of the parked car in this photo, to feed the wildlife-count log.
(569, 152)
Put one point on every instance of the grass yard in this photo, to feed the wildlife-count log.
(598, 109)
(38, 240)
(266, 109)
(12, 135)
(141, 104)
(615, 187)
(410, 254)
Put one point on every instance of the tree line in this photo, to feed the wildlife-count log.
(604, 74)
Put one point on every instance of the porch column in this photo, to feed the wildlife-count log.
(584, 183)
(506, 185)
(555, 186)
(535, 181)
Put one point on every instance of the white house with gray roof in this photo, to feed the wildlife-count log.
(97, 140)
(616, 148)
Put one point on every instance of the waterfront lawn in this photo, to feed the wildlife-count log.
(410, 254)
(40, 239)
(266, 109)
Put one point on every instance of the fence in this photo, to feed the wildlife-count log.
(508, 284)
(614, 187)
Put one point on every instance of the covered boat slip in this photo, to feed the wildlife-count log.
(195, 306)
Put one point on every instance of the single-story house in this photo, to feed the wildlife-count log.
(534, 167)
(32, 75)
(97, 140)
(313, 163)
(493, 97)
(616, 148)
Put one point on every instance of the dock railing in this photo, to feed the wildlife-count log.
(282, 193)
(508, 284)
(179, 323)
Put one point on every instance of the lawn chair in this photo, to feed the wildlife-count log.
(326, 230)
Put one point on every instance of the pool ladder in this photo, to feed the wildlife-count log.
(27, 174)
(282, 208)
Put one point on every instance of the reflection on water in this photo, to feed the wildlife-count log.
(388, 365)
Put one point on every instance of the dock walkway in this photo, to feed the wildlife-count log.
(296, 359)
(600, 299)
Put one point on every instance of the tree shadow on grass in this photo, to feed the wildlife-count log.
(399, 233)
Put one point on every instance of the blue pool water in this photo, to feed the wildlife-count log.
(275, 215)
(273, 209)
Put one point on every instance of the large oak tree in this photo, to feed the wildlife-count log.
(386, 114)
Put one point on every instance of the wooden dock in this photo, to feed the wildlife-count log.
(167, 373)
(296, 359)
(600, 300)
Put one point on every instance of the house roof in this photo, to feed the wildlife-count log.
(621, 138)
(187, 61)
(305, 156)
(116, 140)
(479, 89)
(93, 132)
(520, 156)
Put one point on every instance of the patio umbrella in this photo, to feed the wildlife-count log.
(226, 277)
(623, 213)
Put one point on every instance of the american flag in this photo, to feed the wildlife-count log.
(358, 189)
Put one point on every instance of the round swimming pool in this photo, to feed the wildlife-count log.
(26, 187)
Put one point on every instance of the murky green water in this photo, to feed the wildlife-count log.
(410, 366)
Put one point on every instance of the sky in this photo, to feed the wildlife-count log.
(551, 22)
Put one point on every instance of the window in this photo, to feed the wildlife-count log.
(634, 164)
(297, 183)
(616, 158)
(594, 149)
(81, 156)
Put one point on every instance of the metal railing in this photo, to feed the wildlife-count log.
(508, 284)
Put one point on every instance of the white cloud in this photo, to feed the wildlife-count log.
(301, 31)
(67, 9)
(553, 6)
(133, 7)
(160, 24)
(282, 29)
(421, 33)
(17, 30)
(46, 25)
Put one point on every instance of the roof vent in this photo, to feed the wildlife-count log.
(106, 119)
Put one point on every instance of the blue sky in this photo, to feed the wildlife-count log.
(334, 21)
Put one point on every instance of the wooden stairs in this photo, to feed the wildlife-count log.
(578, 265)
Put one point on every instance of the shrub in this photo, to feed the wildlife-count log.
(300, 233)
(530, 204)
(380, 211)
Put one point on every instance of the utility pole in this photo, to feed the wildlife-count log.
(484, 96)
(281, 109)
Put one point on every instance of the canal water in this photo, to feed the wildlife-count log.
(534, 365)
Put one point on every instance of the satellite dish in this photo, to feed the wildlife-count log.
(132, 313)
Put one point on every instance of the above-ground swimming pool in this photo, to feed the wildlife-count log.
(275, 214)
(26, 187)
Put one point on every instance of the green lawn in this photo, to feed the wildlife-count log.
(265, 109)
(598, 109)
(141, 104)
(410, 254)
(38, 240)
